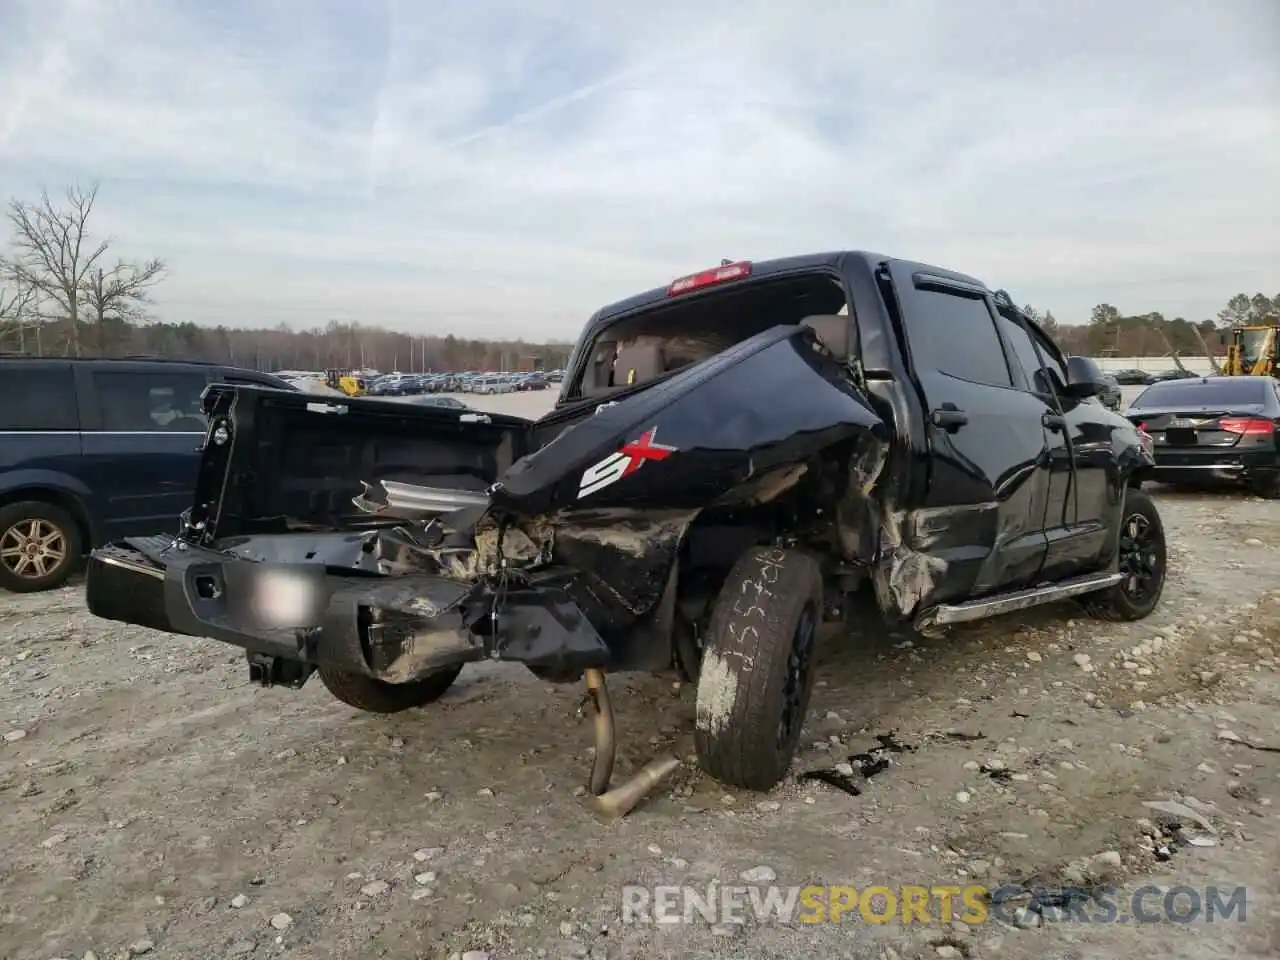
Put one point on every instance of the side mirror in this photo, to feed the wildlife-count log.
(1222, 337)
(1084, 379)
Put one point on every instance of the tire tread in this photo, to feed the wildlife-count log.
(744, 752)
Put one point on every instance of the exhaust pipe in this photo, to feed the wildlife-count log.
(606, 804)
(606, 745)
(622, 800)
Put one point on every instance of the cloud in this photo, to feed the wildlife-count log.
(505, 168)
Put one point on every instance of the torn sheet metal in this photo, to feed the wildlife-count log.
(903, 576)
(413, 501)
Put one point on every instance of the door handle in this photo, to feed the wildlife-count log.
(949, 418)
(1054, 422)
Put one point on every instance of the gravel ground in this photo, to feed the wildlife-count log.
(153, 802)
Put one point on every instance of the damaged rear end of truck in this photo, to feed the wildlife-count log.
(712, 446)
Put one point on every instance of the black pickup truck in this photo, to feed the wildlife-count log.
(731, 458)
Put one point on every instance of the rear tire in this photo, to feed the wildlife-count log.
(757, 667)
(378, 696)
(1143, 559)
(1267, 486)
(40, 546)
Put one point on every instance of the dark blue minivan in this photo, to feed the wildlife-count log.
(94, 450)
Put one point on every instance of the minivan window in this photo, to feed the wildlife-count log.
(163, 401)
(37, 397)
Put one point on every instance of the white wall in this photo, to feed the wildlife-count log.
(1196, 364)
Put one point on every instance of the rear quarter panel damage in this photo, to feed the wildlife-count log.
(903, 575)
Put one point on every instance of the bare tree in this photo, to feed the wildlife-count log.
(1213, 361)
(10, 292)
(119, 294)
(1177, 361)
(59, 261)
(54, 254)
(17, 302)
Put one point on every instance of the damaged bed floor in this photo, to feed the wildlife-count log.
(153, 802)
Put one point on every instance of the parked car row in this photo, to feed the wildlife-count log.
(1142, 378)
(410, 384)
(471, 381)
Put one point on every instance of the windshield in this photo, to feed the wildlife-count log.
(1256, 344)
(1216, 392)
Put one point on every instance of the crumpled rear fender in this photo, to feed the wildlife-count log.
(772, 401)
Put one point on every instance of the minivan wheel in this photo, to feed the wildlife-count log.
(40, 545)
(757, 667)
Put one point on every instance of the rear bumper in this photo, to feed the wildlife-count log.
(392, 628)
(1205, 465)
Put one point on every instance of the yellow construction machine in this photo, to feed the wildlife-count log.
(345, 381)
(1253, 350)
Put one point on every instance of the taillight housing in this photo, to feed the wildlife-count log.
(1146, 441)
(709, 278)
(1247, 426)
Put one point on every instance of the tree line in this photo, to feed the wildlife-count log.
(62, 294)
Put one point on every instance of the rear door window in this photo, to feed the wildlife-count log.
(956, 334)
(38, 397)
(160, 401)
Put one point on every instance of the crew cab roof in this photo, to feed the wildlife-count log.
(760, 270)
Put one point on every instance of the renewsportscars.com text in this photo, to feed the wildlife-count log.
(973, 904)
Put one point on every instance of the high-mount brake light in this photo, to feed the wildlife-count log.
(1247, 426)
(709, 278)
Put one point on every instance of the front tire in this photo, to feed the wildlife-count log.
(757, 667)
(378, 696)
(40, 545)
(1143, 558)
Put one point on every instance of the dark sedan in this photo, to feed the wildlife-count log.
(1133, 378)
(1212, 429)
(1173, 373)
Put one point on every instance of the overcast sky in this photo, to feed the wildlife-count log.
(497, 168)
